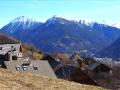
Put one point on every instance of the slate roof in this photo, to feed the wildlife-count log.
(51, 60)
(93, 66)
(7, 40)
(42, 67)
(81, 77)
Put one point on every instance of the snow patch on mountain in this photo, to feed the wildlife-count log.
(56, 19)
(86, 22)
(117, 25)
(23, 19)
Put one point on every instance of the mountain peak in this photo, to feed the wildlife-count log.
(23, 19)
(61, 20)
(22, 23)
(87, 22)
(56, 19)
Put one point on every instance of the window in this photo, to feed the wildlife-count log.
(14, 49)
(25, 64)
(1, 48)
(35, 68)
(24, 68)
(18, 68)
(14, 57)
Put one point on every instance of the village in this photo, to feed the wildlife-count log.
(71, 67)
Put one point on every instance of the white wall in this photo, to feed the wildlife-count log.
(7, 47)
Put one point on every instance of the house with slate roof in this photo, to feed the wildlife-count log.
(9, 49)
(99, 71)
(11, 58)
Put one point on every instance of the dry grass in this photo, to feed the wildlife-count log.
(20, 81)
(32, 52)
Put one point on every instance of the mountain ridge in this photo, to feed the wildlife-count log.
(112, 51)
(59, 35)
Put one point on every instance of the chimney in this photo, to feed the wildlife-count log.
(20, 50)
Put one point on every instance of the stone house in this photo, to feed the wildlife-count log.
(9, 49)
(99, 71)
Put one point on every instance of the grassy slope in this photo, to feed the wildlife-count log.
(31, 52)
(20, 81)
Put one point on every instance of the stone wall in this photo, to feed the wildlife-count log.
(4, 48)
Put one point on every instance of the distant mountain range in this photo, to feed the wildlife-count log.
(58, 35)
(112, 51)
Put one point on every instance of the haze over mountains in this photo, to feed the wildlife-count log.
(60, 35)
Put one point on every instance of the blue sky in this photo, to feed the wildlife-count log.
(95, 10)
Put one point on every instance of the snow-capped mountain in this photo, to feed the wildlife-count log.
(61, 35)
(55, 19)
(22, 23)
